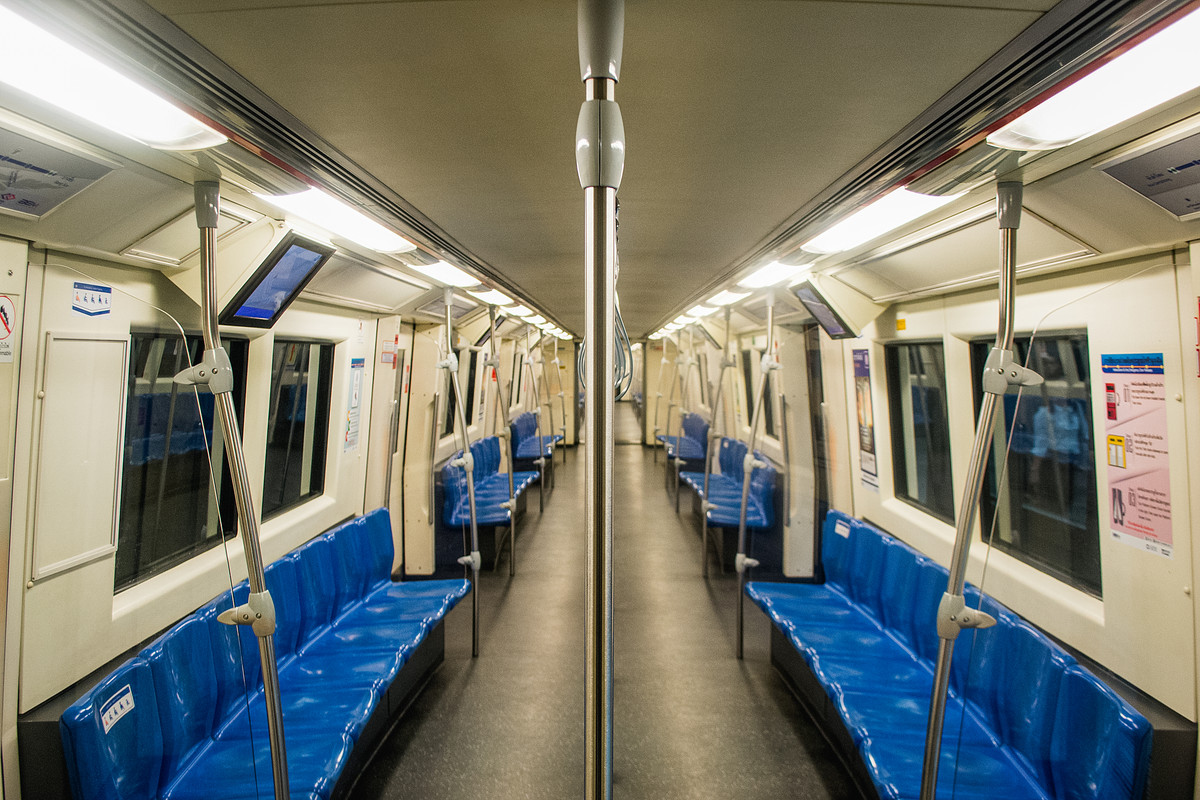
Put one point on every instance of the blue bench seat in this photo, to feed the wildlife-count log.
(176, 722)
(525, 438)
(1023, 720)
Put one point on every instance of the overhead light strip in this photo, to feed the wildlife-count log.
(316, 207)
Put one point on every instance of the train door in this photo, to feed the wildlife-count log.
(388, 413)
(797, 436)
(13, 257)
(420, 444)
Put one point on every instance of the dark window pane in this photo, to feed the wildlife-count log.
(1047, 503)
(297, 424)
(916, 378)
(168, 509)
(468, 388)
(748, 379)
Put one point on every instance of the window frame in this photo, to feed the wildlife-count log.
(326, 358)
(898, 424)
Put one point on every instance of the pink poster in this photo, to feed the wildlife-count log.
(1139, 478)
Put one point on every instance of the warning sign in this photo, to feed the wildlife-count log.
(8, 327)
(1139, 479)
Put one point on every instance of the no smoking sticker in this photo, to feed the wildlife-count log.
(8, 326)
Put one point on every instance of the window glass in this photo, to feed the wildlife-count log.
(168, 510)
(451, 400)
(514, 388)
(297, 424)
(916, 378)
(1047, 505)
(469, 387)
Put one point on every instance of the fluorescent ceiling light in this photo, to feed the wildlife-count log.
(655, 336)
(724, 298)
(684, 319)
(329, 213)
(700, 311)
(672, 326)
(519, 311)
(444, 272)
(889, 212)
(1155, 71)
(773, 273)
(536, 319)
(55, 72)
(492, 297)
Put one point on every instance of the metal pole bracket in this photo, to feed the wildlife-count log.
(213, 371)
(1002, 371)
(744, 562)
(258, 612)
(450, 363)
(953, 616)
(474, 561)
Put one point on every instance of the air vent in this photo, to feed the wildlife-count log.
(175, 243)
(1165, 171)
(437, 308)
(36, 178)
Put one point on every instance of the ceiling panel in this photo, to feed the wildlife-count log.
(736, 113)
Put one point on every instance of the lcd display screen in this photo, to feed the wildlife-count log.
(826, 317)
(276, 283)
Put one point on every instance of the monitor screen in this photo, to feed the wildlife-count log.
(826, 317)
(276, 283)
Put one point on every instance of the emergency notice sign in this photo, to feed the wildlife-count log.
(1139, 479)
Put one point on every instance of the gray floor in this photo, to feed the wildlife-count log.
(691, 720)
(626, 428)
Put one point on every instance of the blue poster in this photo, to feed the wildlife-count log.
(866, 417)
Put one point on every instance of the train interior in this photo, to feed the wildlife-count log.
(397, 264)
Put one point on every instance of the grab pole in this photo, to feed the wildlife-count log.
(707, 505)
(600, 161)
(685, 398)
(493, 361)
(1000, 372)
(662, 371)
(215, 371)
(467, 462)
(537, 421)
(750, 463)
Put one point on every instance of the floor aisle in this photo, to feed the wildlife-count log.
(690, 722)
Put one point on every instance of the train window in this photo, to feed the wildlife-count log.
(1047, 505)
(514, 387)
(469, 386)
(168, 512)
(916, 378)
(297, 424)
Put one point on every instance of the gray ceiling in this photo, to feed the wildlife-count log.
(737, 114)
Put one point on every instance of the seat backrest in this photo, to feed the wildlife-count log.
(762, 488)
(835, 546)
(731, 457)
(694, 427)
(377, 529)
(227, 644)
(185, 689)
(931, 585)
(351, 563)
(1101, 745)
(318, 586)
(866, 563)
(454, 488)
(112, 737)
(978, 655)
(283, 585)
(1027, 700)
(898, 579)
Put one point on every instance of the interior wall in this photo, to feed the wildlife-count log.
(1146, 617)
(105, 624)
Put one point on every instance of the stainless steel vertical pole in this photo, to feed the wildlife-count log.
(215, 371)
(999, 373)
(599, 158)
(472, 559)
(706, 505)
(493, 361)
(749, 464)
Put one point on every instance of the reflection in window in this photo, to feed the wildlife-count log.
(1047, 506)
(168, 511)
(916, 378)
(469, 387)
(297, 424)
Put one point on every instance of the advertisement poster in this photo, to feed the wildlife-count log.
(1139, 480)
(354, 406)
(866, 417)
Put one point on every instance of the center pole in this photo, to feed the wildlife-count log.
(599, 158)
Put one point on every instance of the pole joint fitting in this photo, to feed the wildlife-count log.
(1002, 370)
(213, 371)
(258, 612)
(953, 616)
(743, 562)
